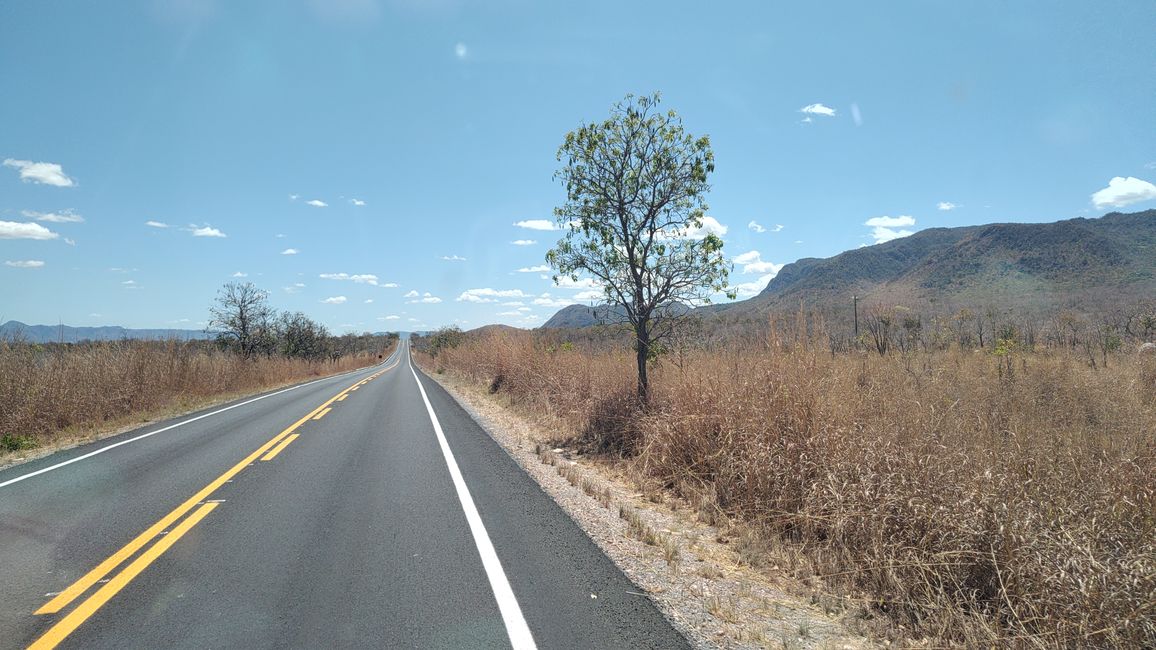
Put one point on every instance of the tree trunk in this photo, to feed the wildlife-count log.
(642, 346)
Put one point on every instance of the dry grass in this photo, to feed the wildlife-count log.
(971, 497)
(50, 394)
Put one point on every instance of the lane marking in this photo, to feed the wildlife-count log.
(516, 628)
(171, 426)
(66, 625)
(342, 398)
(114, 560)
(322, 414)
(279, 448)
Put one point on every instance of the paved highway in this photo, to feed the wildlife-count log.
(364, 510)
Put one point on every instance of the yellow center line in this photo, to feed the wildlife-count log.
(342, 398)
(66, 625)
(101, 570)
(276, 450)
(322, 414)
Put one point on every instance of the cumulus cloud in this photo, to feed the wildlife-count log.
(818, 109)
(753, 288)
(240, 274)
(368, 300)
(566, 282)
(64, 216)
(536, 224)
(290, 251)
(541, 268)
(545, 300)
(426, 299)
(335, 300)
(884, 229)
(754, 225)
(490, 295)
(524, 242)
(453, 258)
(24, 264)
(412, 294)
(390, 317)
(946, 206)
(294, 288)
(461, 51)
(388, 285)
(710, 226)
(43, 173)
(19, 230)
(509, 313)
(753, 263)
(205, 231)
(358, 202)
(365, 278)
(156, 224)
(294, 197)
(1123, 191)
(317, 203)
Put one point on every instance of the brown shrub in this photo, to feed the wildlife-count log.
(977, 497)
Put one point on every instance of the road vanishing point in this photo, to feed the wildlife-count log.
(362, 510)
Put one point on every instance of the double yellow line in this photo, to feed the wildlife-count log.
(76, 617)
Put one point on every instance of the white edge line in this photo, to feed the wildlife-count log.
(171, 426)
(516, 628)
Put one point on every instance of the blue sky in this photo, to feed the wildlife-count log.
(392, 146)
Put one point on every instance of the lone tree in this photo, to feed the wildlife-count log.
(635, 202)
(243, 318)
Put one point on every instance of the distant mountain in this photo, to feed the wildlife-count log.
(585, 316)
(68, 334)
(1082, 264)
(1076, 263)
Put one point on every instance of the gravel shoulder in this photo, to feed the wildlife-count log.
(699, 575)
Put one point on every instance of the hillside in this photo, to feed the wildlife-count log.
(68, 334)
(1081, 264)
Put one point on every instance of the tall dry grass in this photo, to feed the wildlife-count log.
(968, 496)
(47, 393)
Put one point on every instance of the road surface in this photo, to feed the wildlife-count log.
(364, 510)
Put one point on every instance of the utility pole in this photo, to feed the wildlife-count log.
(855, 302)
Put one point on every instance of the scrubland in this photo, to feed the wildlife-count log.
(979, 496)
(59, 393)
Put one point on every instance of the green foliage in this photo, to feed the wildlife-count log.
(12, 442)
(635, 195)
(444, 338)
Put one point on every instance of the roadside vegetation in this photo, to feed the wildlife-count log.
(949, 490)
(57, 393)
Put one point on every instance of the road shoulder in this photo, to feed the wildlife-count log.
(692, 571)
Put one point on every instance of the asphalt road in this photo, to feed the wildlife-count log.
(390, 520)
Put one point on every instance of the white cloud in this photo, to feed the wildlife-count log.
(24, 264)
(1151, 165)
(536, 224)
(294, 197)
(156, 224)
(946, 206)
(490, 295)
(368, 301)
(358, 202)
(18, 230)
(461, 51)
(748, 289)
(40, 172)
(513, 303)
(1123, 191)
(524, 242)
(290, 251)
(754, 225)
(509, 313)
(590, 295)
(710, 226)
(453, 258)
(205, 231)
(564, 282)
(818, 109)
(752, 263)
(365, 278)
(388, 285)
(317, 203)
(885, 228)
(240, 274)
(64, 216)
(557, 303)
(412, 294)
(425, 299)
(390, 317)
(806, 120)
(542, 268)
(295, 288)
(335, 300)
